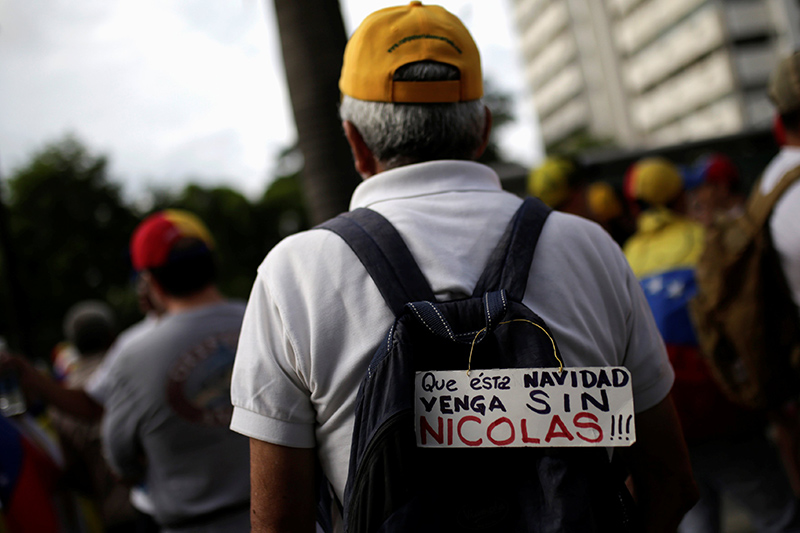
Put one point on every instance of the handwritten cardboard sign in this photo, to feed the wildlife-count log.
(525, 407)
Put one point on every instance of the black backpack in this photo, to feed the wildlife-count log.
(392, 484)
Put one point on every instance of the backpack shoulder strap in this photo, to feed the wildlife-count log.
(384, 254)
(510, 262)
(760, 206)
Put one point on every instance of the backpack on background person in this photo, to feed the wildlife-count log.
(745, 318)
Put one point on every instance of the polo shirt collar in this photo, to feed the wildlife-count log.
(423, 179)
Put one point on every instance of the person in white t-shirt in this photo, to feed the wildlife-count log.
(784, 223)
(413, 115)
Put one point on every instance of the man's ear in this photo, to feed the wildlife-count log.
(365, 162)
(487, 130)
(145, 294)
(150, 288)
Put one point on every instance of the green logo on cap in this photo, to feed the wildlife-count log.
(404, 40)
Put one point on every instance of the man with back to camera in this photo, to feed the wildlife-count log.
(168, 403)
(413, 115)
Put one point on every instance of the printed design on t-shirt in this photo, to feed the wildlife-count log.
(199, 382)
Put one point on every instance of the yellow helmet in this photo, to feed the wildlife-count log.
(550, 182)
(654, 180)
(603, 202)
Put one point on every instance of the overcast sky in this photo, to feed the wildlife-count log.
(186, 90)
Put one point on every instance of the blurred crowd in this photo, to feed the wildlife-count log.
(662, 215)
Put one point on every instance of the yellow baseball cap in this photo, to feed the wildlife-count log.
(396, 36)
(654, 180)
(550, 181)
(603, 202)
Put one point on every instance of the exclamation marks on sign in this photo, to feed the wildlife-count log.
(616, 427)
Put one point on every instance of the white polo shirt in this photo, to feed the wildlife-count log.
(784, 224)
(315, 317)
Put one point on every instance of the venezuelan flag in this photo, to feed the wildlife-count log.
(28, 478)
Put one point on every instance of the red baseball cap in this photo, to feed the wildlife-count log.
(718, 168)
(155, 237)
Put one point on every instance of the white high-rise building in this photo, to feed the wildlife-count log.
(647, 73)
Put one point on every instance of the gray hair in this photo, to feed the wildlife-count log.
(402, 134)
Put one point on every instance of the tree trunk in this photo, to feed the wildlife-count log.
(312, 40)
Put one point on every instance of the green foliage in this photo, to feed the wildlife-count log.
(70, 232)
(283, 206)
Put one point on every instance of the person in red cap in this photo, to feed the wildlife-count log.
(712, 189)
(413, 115)
(166, 418)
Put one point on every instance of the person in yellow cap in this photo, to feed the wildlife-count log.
(412, 113)
(560, 183)
(655, 185)
(550, 181)
(605, 205)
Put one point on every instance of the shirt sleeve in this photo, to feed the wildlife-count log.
(270, 398)
(98, 385)
(785, 232)
(121, 445)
